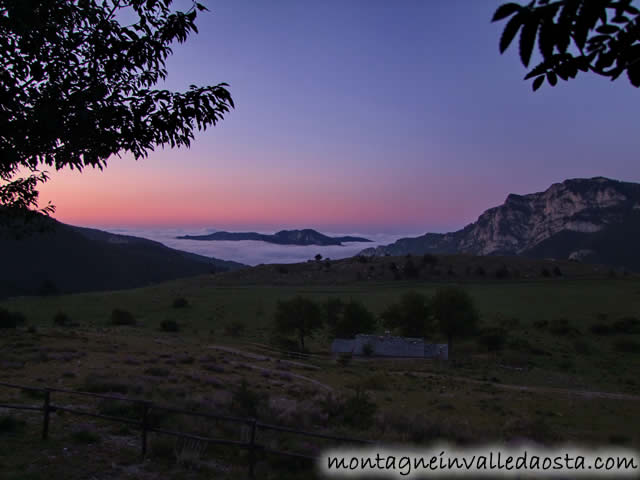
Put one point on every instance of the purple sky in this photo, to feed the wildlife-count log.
(361, 115)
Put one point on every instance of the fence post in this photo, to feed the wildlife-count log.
(145, 427)
(46, 410)
(252, 448)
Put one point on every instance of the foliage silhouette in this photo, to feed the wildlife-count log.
(409, 317)
(345, 320)
(77, 86)
(300, 315)
(455, 313)
(598, 36)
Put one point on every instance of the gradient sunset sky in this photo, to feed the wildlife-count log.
(360, 116)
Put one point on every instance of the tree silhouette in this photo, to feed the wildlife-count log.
(410, 316)
(76, 87)
(598, 36)
(300, 315)
(455, 313)
(345, 320)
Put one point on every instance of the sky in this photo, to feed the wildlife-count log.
(359, 116)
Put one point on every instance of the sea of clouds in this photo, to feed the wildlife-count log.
(252, 252)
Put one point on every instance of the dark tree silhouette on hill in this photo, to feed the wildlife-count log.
(300, 315)
(346, 320)
(409, 317)
(599, 36)
(455, 313)
(77, 86)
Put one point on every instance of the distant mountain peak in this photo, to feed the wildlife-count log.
(527, 224)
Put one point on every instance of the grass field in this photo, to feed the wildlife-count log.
(549, 384)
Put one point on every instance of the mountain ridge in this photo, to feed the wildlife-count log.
(306, 236)
(577, 219)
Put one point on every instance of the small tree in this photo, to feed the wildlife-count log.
(318, 257)
(345, 320)
(410, 316)
(300, 315)
(455, 313)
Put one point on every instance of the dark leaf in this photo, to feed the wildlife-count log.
(552, 79)
(537, 83)
(505, 11)
(607, 29)
(528, 38)
(633, 72)
(510, 31)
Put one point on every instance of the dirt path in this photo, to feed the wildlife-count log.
(525, 388)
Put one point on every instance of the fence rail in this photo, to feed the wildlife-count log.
(143, 423)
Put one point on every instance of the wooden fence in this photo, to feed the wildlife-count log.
(145, 425)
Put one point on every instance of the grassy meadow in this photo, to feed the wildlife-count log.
(561, 376)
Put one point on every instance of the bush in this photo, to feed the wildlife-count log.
(157, 371)
(95, 384)
(85, 437)
(627, 346)
(169, 326)
(247, 402)
(180, 302)
(561, 327)
(428, 259)
(235, 328)
(122, 317)
(493, 339)
(557, 272)
(480, 271)
(11, 319)
(356, 410)
(502, 272)
(10, 424)
(627, 325)
(545, 273)
(61, 319)
(367, 349)
(601, 329)
(344, 359)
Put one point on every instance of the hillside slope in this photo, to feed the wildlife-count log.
(63, 258)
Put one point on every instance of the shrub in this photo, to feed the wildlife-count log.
(169, 326)
(410, 270)
(356, 410)
(122, 317)
(627, 325)
(235, 328)
(85, 437)
(157, 371)
(362, 259)
(493, 339)
(480, 271)
(557, 272)
(502, 272)
(247, 402)
(282, 269)
(10, 424)
(627, 346)
(11, 319)
(367, 349)
(428, 259)
(545, 272)
(562, 327)
(601, 329)
(344, 359)
(61, 319)
(95, 384)
(180, 302)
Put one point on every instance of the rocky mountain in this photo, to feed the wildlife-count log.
(594, 220)
(56, 257)
(306, 236)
